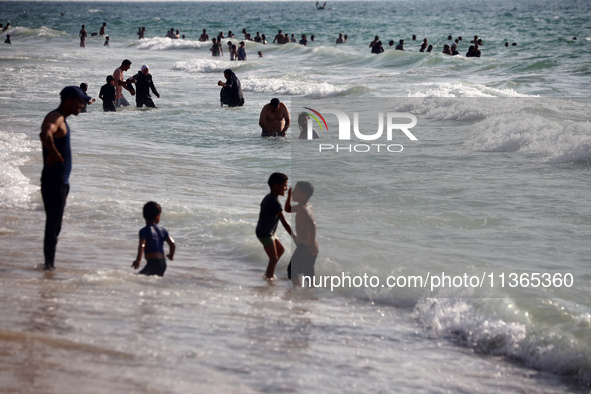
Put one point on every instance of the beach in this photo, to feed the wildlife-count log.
(456, 262)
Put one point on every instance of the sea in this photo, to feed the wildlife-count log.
(454, 262)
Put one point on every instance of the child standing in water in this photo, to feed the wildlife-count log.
(271, 213)
(84, 88)
(303, 259)
(152, 239)
(108, 94)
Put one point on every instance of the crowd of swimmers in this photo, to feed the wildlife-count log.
(111, 93)
(376, 46)
(237, 50)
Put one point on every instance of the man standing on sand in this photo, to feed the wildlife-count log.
(120, 83)
(274, 119)
(57, 165)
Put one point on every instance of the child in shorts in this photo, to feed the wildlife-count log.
(271, 213)
(152, 239)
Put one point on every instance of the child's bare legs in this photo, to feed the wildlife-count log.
(274, 251)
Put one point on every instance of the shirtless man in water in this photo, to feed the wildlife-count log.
(274, 119)
(279, 38)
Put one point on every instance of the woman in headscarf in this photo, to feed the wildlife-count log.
(231, 93)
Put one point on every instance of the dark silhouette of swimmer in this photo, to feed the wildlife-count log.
(454, 48)
(400, 45)
(473, 51)
(231, 93)
(378, 48)
(374, 42)
(423, 45)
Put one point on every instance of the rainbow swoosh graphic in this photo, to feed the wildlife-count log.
(316, 118)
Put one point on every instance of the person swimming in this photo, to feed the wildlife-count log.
(378, 48)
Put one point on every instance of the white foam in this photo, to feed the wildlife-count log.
(290, 87)
(463, 89)
(559, 138)
(15, 187)
(41, 32)
(164, 43)
(508, 332)
(203, 65)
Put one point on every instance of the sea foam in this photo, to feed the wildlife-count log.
(15, 188)
(508, 332)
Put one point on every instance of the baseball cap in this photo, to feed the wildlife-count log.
(74, 92)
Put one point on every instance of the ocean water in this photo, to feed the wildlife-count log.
(494, 194)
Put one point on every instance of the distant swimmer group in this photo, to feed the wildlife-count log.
(473, 51)
(237, 51)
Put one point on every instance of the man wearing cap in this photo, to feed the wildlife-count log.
(143, 85)
(274, 119)
(121, 84)
(57, 165)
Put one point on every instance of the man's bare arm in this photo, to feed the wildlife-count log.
(263, 119)
(52, 127)
(287, 118)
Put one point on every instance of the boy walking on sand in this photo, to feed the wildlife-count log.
(152, 239)
(271, 213)
(303, 259)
